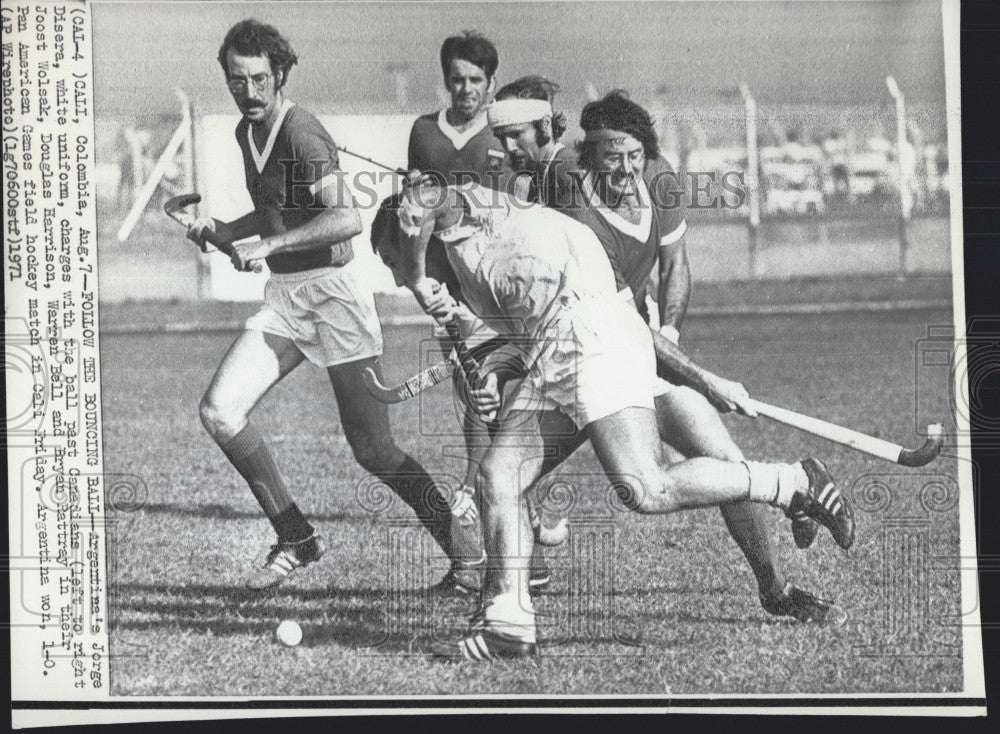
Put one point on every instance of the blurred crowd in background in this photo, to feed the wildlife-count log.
(836, 172)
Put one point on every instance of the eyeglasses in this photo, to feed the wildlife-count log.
(260, 83)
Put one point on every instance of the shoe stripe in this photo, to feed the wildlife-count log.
(481, 644)
(836, 507)
(469, 650)
(283, 564)
(823, 495)
(833, 502)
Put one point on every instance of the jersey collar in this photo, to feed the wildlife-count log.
(638, 231)
(459, 139)
(260, 158)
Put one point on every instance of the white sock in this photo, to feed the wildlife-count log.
(775, 484)
(506, 614)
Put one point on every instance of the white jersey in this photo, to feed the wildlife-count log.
(516, 261)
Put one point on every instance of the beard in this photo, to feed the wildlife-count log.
(520, 161)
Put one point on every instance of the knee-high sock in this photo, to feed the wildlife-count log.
(747, 523)
(417, 489)
(248, 453)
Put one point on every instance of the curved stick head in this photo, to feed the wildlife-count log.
(926, 453)
(175, 206)
(376, 389)
(177, 203)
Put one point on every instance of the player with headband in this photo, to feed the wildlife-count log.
(523, 118)
(533, 272)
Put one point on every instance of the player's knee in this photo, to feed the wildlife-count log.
(654, 496)
(377, 457)
(219, 420)
(494, 485)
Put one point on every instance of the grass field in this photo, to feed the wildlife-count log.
(637, 606)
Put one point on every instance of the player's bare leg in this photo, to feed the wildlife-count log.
(627, 445)
(365, 421)
(694, 428)
(691, 425)
(254, 363)
(505, 623)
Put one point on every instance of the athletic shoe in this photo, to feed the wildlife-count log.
(283, 560)
(482, 643)
(464, 577)
(804, 606)
(804, 529)
(540, 574)
(822, 501)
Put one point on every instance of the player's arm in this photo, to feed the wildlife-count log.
(413, 158)
(238, 229)
(338, 221)
(674, 290)
(724, 394)
(426, 207)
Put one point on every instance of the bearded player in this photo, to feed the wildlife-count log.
(626, 194)
(535, 273)
(316, 306)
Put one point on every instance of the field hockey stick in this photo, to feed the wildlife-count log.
(857, 440)
(430, 376)
(176, 209)
(441, 371)
(411, 387)
(400, 171)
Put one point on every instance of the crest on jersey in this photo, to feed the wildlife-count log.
(494, 160)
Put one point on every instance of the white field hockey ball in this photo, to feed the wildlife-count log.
(289, 633)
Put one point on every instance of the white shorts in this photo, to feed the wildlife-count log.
(327, 312)
(601, 361)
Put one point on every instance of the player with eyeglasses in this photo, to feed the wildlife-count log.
(317, 306)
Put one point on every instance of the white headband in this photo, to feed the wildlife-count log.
(517, 111)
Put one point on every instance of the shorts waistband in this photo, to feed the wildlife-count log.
(302, 275)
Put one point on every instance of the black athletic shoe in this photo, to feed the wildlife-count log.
(822, 501)
(484, 644)
(283, 560)
(464, 577)
(804, 606)
(804, 529)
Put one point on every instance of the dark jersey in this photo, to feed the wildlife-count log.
(284, 180)
(474, 155)
(632, 248)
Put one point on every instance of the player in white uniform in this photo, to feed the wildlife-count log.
(523, 118)
(533, 271)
